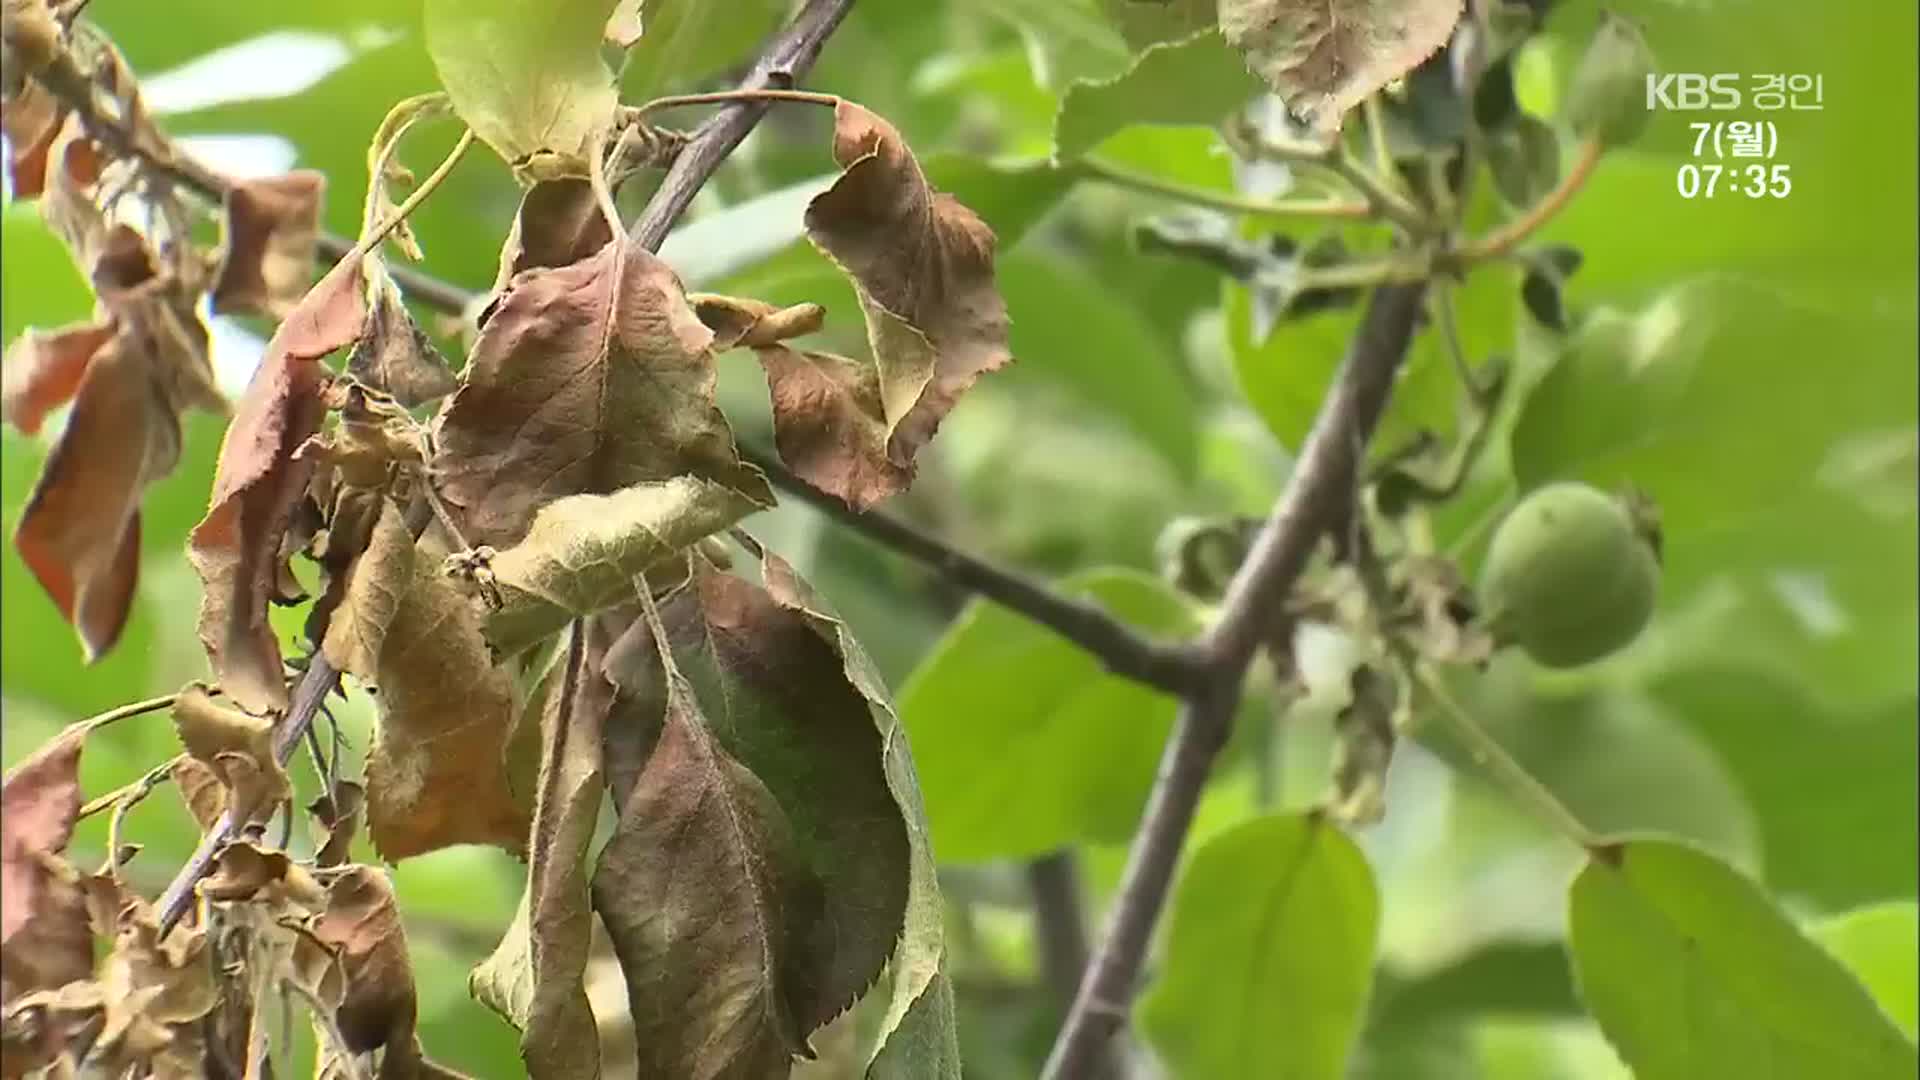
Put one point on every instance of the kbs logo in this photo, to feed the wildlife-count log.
(1693, 91)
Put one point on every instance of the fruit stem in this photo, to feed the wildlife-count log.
(1499, 243)
(1520, 783)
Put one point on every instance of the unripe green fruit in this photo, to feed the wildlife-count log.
(1572, 575)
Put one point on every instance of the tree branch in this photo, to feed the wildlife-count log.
(1316, 500)
(1123, 650)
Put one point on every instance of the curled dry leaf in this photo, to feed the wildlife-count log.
(587, 379)
(336, 817)
(559, 223)
(584, 552)
(237, 747)
(43, 371)
(1323, 57)
(269, 231)
(155, 993)
(534, 978)
(922, 265)
(436, 773)
(199, 788)
(80, 530)
(259, 481)
(44, 941)
(30, 119)
(394, 355)
(829, 421)
(362, 923)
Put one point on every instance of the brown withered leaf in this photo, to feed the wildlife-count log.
(43, 370)
(583, 552)
(829, 422)
(155, 993)
(436, 773)
(68, 195)
(269, 229)
(1323, 57)
(336, 817)
(155, 310)
(767, 785)
(236, 547)
(559, 223)
(238, 748)
(587, 379)
(534, 979)
(916, 1031)
(80, 531)
(922, 265)
(44, 941)
(30, 120)
(200, 789)
(394, 355)
(703, 847)
(362, 923)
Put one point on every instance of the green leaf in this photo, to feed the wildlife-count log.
(39, 285)
(1162, 20)
(1010, 198)
(1025, 744)
(1066, 40)
(583, 552)
(1773, 477)
(1878, 944)
(1196, 81)
(684, 40)
(525, 75)
(1269, 955)
(1694, 973)
(916, 1035)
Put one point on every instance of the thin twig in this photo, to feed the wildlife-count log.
(1121, 649)
(786, 60)
(154, 704)
(1101, 172)
(1316, 500)
(1510, 774)
(1510, 235)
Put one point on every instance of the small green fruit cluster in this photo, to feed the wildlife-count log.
(1573, 575)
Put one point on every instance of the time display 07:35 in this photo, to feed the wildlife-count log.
(1753, 181)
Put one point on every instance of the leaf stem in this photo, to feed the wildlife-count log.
(1510, 774)
(1509, 236)
(154, 704)
(1090, 169)
(371, 238)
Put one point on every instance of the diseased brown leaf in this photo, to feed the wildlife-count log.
(624, 23)
(43, 371)
(156, 312)
(30, 120)
(80, 531)
(380, 1009)
(336, 817)
(44, 942)
(268, 243)
(259, 481)
(587, 379)
(829, 422)
(1324, 57)
(200, 789)
(67, 195)
(767, 784)
(534, 979)
(394, 355)
(436, 773)
(916, 1035)
(922, 265)
(583, 553)
(704, 848)
(238, 748)
(558, 224)
(156, 991)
